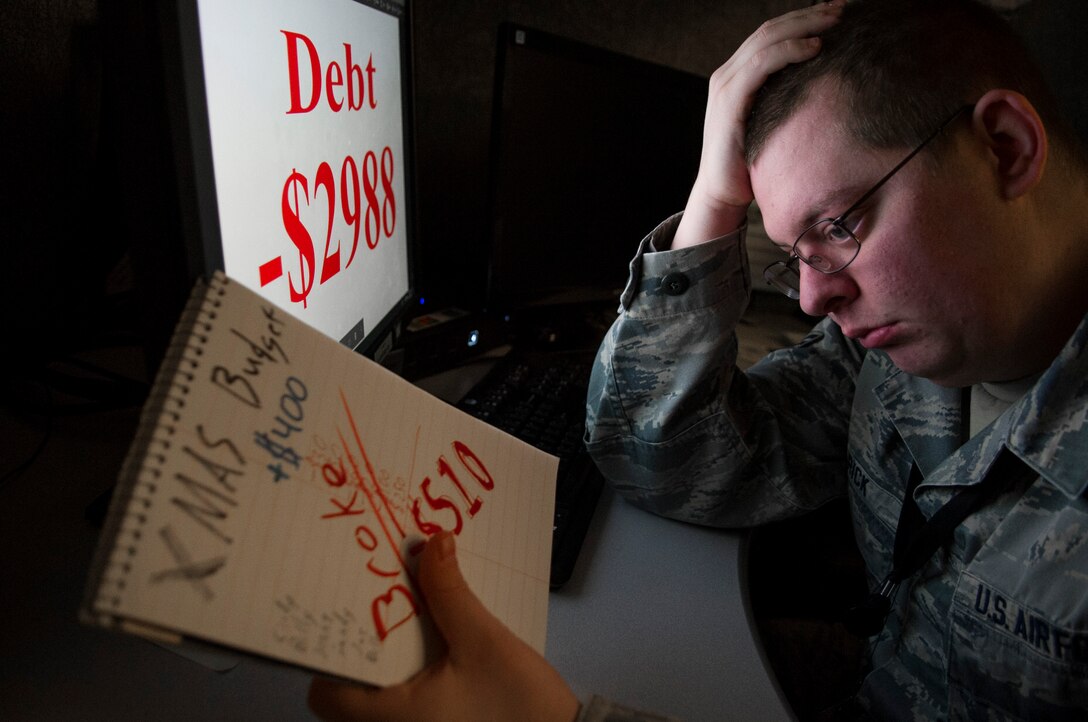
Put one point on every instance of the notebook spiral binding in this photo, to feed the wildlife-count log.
(141, 472)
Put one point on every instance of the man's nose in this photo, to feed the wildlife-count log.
(823, 293)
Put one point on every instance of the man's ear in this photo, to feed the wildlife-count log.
(1016, 138)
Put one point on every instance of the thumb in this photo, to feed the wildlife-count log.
(457, 612)
(493, 671)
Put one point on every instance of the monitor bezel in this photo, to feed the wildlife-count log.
(515, 38)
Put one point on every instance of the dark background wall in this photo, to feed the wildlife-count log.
(73, 207)
(455, 49)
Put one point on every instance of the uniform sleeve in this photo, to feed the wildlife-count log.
(674, 425)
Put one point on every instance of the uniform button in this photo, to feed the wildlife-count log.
(675, 284)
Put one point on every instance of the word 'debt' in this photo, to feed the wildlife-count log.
(357, 94)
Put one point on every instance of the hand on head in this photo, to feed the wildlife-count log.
(487, 673)
(722, 192)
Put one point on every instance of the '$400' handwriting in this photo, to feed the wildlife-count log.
(398, 604)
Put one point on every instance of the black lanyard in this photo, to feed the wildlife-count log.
(918, 538)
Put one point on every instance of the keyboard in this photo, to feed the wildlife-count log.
(540, 397)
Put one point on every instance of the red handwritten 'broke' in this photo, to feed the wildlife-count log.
(373, 492)
(398, 604)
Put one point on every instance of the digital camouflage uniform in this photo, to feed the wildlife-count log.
(995, 626)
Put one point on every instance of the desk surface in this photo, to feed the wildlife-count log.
(656, 617)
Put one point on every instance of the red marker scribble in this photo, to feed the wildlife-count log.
(377, 490)
(399, 603)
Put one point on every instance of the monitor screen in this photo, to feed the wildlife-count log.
(590, 150)
(298, 115)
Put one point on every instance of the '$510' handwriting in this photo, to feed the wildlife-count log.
(397, 604)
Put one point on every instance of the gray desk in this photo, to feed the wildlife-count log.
(656, 617)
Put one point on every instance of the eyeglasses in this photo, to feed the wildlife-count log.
(829, 245)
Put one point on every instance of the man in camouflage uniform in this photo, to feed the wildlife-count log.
(957, 320)
(995, 624)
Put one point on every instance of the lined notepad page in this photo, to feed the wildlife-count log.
(285, 489)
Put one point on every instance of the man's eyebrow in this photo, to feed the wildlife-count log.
(831, 204)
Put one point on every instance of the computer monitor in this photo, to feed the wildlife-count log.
(296, 137)
(591, 149)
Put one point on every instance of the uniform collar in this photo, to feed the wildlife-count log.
(1047, 428)
(1050, 424)
(928, 417)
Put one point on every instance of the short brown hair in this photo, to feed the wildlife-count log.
(905, 65)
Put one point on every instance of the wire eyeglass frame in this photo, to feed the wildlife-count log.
(837, 253)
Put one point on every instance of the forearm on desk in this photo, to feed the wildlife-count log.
(678, 429)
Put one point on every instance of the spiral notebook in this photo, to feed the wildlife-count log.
(279, 489)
